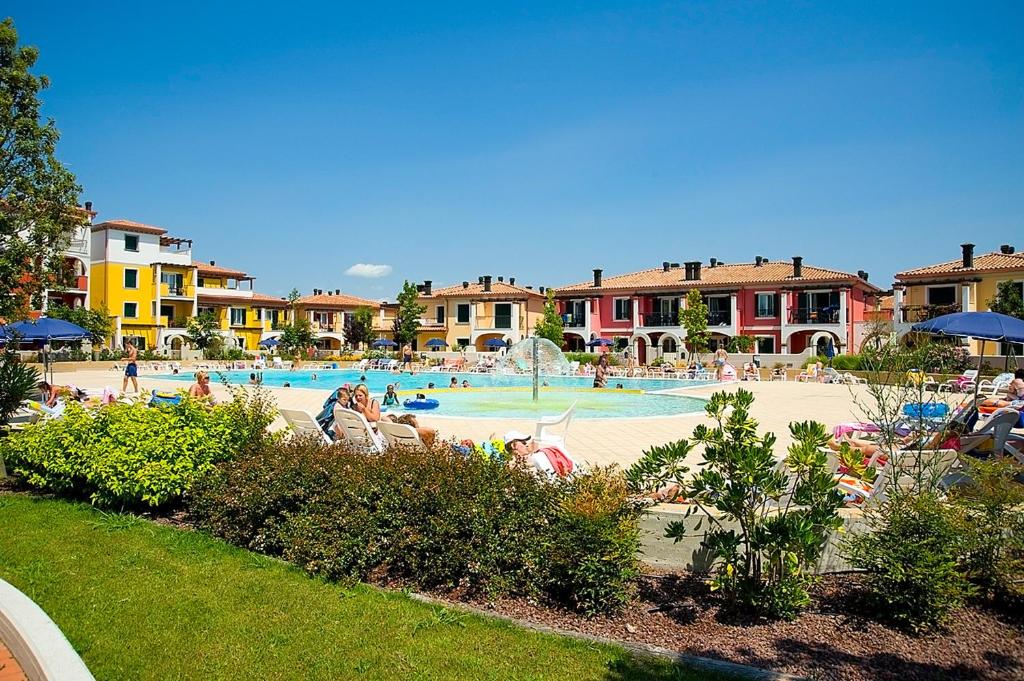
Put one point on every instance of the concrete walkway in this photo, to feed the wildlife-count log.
(596, 441)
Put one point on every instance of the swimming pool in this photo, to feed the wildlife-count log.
(511, 397)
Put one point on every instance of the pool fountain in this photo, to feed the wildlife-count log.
(534, 356)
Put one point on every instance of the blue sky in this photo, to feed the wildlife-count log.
(541, 140)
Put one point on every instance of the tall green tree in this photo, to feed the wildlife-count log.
(550, 325)
(694, 318)
(1008, 299)
(410, 311)
(38, 195)
(201, 331)
(359, 327)
(297, 336)
(98, 323)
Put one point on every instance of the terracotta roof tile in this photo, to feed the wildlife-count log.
(499, 289)
(269, 301)
(218, 271)
(328, 300)
(986, 262)
(128, 226)
(723, 275)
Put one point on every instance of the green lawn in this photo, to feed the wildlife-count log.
(143, 601)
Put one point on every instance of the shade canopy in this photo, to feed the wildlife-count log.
(384, 343)
(602, 342)
(269, 343)
(496, 343)
(981, 325)
(436, 343)
(43, 329)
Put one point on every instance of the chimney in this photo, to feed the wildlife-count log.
(968, 252)
(512, 281)
(541, 289)
(337, 291)
(500, 278)
(665, 265)
(465, 284)
(675, 266)
(480, 280)
(529, 288)
(758, 260)
(862, 274)
(597, 278)
(212, 263)
(692, 271)
(1005, 249)
(487, 283)
(427, 286)
(88, 206)
(714, 262)
(798, 266)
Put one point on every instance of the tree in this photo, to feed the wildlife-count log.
(550, 325)
(407, 319)
(740, 343)
(201, 331)
(1008, 299)
(38, 195)
(694, 318)
(293, 296)
(297, 336)
(359, 327)
(98, 323)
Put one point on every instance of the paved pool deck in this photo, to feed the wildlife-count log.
(597, 441)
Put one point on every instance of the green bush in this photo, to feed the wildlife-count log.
(911, 554)
(839, 362)
(431, 518)
(590, 358)
(17, 382)
(131, 455)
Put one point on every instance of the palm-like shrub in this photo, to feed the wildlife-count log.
(17, 382)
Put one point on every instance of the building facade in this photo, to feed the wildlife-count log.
(786, 306)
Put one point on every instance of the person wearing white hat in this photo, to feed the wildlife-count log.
(549, 459)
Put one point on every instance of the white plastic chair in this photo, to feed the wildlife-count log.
(550, 423)
(351, 426)
(1000, 382)
(304, 423)
(399, 434)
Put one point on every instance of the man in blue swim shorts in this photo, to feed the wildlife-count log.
(131, 370)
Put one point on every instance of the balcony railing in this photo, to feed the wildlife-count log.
(660, 319)
(922, 313)
(574, 321)
(822, 315)
(718, 318)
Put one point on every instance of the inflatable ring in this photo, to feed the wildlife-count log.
(426, 403)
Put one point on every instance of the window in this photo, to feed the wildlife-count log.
(462, 342)
(439, 317)
(503, 315)
(766, 305)
(131, 310)
(323, 318)
(462, 314)
(766, 345)
(167, 311)
(207, 310)
(623, 309)
(238, 316)
(202, 282)
(138, 341)
(131, 278)
(175, 282)
(669, 345)
(275, 317)
(131, 242)
(942, 295)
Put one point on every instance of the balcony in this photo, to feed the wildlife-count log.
(73, 282)
(169, 291)
(661, 319)
(719, 318)
(574, 321)
(431, 324)
(911, 314)
(496, 323)
(822, 315)
(174, 323)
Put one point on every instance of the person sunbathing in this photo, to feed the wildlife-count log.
(948, 438)
(549, 459)
(427, 435)
(1014, 394)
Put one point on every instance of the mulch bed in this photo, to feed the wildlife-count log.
(829, 641)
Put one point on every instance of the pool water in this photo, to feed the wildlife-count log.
(512, 396)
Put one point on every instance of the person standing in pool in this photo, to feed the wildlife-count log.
(131, 370)
(390, 397)
(407, 356)
(601, 373)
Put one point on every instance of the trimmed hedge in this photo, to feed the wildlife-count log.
(131, 455)
(430, 518)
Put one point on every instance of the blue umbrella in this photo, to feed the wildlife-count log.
(602, 342)
(984, 326)
(830, 350)
(270, 343)
(44, 329)
(384, 343)
(496, 343)
(436, 343)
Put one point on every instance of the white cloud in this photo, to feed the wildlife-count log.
(368, 271)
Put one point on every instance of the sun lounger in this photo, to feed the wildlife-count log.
(399, 434)
(303, 423)
(352, 427)
(996, 385)
(554, 429)
(964, 382)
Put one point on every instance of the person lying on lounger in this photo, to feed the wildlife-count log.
(549, 459)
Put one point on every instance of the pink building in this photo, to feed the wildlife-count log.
(785, 305)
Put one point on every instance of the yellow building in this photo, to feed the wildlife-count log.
(963, 285)
(327, 311)
(149, 283)
(471, 313)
